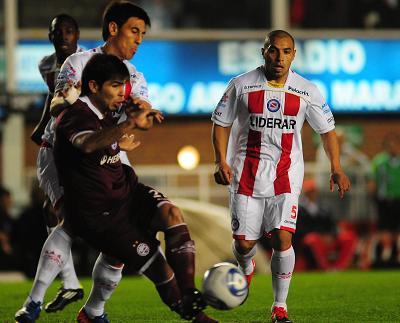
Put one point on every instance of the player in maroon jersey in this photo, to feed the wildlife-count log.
(104, 202)
(126, 25)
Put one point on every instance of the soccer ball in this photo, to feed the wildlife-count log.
(224, 286)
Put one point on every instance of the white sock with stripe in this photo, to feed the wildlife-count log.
(105, 279)
(68, 274)
(244, 261)
(55, 253)
(282, 265)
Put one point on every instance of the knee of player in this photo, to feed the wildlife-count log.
(281, 240)
(281, 245)
(244, 246)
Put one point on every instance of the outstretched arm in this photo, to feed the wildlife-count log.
(332, 150)
(220, 136)
(90, 142)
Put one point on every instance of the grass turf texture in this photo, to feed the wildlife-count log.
(314, 297)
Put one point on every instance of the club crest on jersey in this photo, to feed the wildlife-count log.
(235, 224)
(143, 249)
(273, 105)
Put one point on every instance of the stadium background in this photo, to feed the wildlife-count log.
(214, 29)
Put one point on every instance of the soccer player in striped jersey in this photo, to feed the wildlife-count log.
(258, 153)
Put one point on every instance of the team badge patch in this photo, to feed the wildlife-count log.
(273, 105)
(143, 249)
(235, 224)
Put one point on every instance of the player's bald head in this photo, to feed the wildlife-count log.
(277, 34)
(62, 18)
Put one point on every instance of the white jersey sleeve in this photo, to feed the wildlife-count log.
(318, 113)
(138, 85)
(226, 110)
(46, 65)
(71, 69)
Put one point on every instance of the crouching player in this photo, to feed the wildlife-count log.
(106, 205)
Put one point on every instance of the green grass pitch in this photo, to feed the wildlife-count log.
(314, 297)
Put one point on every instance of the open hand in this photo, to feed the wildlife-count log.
(342, 182)
(128, 143)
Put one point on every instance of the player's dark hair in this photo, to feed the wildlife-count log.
(64, 17)
(277, 33)
(119, 12)
(102, 68)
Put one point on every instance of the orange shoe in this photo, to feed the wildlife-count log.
(279, 315)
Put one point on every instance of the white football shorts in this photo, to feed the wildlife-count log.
(253, 217)
(47, 175)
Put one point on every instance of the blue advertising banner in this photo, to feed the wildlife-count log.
(189, 77)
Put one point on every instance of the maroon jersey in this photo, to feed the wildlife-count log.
(95, 184)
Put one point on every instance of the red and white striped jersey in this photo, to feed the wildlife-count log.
(265, 149)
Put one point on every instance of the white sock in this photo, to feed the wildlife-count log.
(55, 253)
(282, 265)
(68, 274)
(244, 261)
(105, 279)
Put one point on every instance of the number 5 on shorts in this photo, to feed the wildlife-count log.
(293, 213)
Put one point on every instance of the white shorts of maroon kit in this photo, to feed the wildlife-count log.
(47, 174)
(253, 217)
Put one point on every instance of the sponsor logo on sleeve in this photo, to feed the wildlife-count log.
(222, 102)
(325, 108)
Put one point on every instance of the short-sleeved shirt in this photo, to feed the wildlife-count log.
(104, 203)
(71, 72)
(94, 183)
(265, 148)
(49, 69)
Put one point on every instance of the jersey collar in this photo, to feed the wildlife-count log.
(96, 111)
